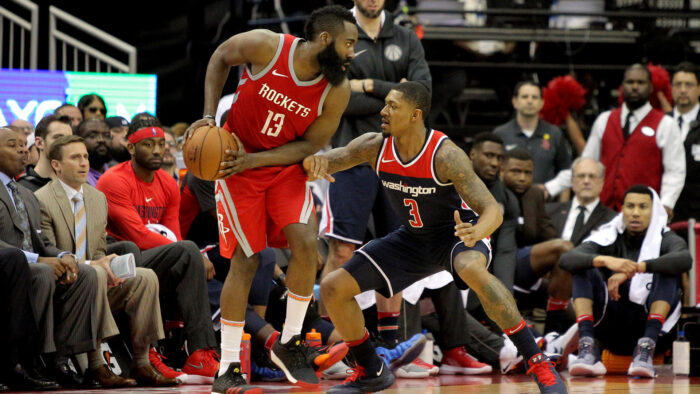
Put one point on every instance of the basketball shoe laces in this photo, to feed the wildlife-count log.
(354, 374)
(644, 352)
(543, 372)
(157, 360)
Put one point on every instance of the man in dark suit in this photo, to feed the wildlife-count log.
(575, 220)
(539, 247)
(686, 91)
(66, 323)
(587, 183)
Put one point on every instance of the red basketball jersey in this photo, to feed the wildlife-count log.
(274, 107)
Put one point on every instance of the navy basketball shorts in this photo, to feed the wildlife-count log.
(525, 279)
(355, 194)
(396, 261)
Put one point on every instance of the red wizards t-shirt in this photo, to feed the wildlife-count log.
(274, 107)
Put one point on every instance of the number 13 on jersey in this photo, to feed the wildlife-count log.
(413, 204)
(277, 121)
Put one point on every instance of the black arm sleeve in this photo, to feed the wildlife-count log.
(674, 258)
(580, 258)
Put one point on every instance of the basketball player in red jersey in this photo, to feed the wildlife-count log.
(288, 104)
(432, 187)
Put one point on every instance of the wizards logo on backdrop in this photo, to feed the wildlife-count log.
(33, 94)
(30, 95)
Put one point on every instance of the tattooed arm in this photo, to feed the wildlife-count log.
(363, 149)
(453, 165)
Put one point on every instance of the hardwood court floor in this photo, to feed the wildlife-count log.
(666, 383)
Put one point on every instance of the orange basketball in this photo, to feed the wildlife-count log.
(204, 151)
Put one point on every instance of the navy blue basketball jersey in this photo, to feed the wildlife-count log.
(424, 204)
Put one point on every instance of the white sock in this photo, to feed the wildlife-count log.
(231, 334)
(296, 311)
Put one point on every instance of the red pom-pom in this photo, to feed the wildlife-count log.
(660, 82)
(561, 95)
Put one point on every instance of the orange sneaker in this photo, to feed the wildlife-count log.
(156, 360)
(324, 357)
(201, 366)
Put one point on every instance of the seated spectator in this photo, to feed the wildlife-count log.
(169, 164)
(33, 151)
(60, 285)
(118, 128)
(575, 220)
(96, 135)
(92, 106)
(18, 337)
(626, 281)
(546, 143)
(138, 194)
(23, 126)
(487, 157)
(69, 113)
(538, 246)
(74, 217)
(49, 129)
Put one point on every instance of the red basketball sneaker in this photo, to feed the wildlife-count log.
(201, 366)
(458, 361)
(156, 360)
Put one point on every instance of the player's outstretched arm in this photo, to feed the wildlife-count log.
(453, 165)
(255, 47)
(363, 149)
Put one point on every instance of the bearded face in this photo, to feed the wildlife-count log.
(369, 8)
(333, 67)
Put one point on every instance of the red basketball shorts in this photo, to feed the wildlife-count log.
(254, 206)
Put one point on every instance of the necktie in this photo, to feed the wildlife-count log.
(626, 127)
(80, 227)
(680, 124)
(23, 217)
(578, 224)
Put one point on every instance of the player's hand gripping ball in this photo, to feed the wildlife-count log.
(204, 150)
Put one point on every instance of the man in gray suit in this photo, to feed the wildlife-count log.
(60, 287)
(575, 220)
(74, 217)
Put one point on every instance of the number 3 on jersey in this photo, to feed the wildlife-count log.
(277, 121)
(416, 221)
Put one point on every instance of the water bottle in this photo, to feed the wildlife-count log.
(245, 356)
(313, 338)
(681, 355)
(427, 354)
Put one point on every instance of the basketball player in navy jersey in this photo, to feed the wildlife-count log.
(433, 188)
(288, 104)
